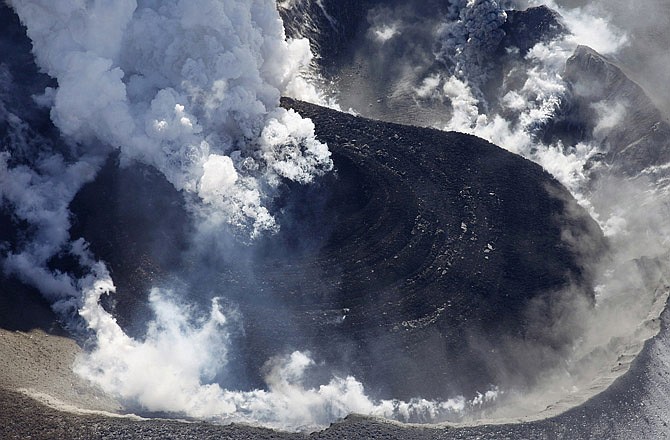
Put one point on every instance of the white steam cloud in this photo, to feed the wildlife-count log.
(179, 86)
(589, 27)
(526, 106)
(192, 88)
(173, 370)
(40, 196)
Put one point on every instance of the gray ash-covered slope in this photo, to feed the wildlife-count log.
(407, 267)
(634, 407)
(336, 28)
(329, 29)
(602, 103)
(637, 134)
(375, 55)
(363, 73)
(380, 78)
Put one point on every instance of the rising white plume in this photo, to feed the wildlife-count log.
(192, 88)
(178, 85)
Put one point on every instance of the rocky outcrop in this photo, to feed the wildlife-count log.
(603, 96)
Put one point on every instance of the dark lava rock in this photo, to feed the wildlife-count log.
(411, 267)
(380, 167)
(406, 267)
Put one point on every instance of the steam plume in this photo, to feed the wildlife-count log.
(192, 89)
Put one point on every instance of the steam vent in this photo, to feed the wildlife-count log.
(412, 266)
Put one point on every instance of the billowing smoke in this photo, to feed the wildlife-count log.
(192, 89)
(174, 367)
(470, 37)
